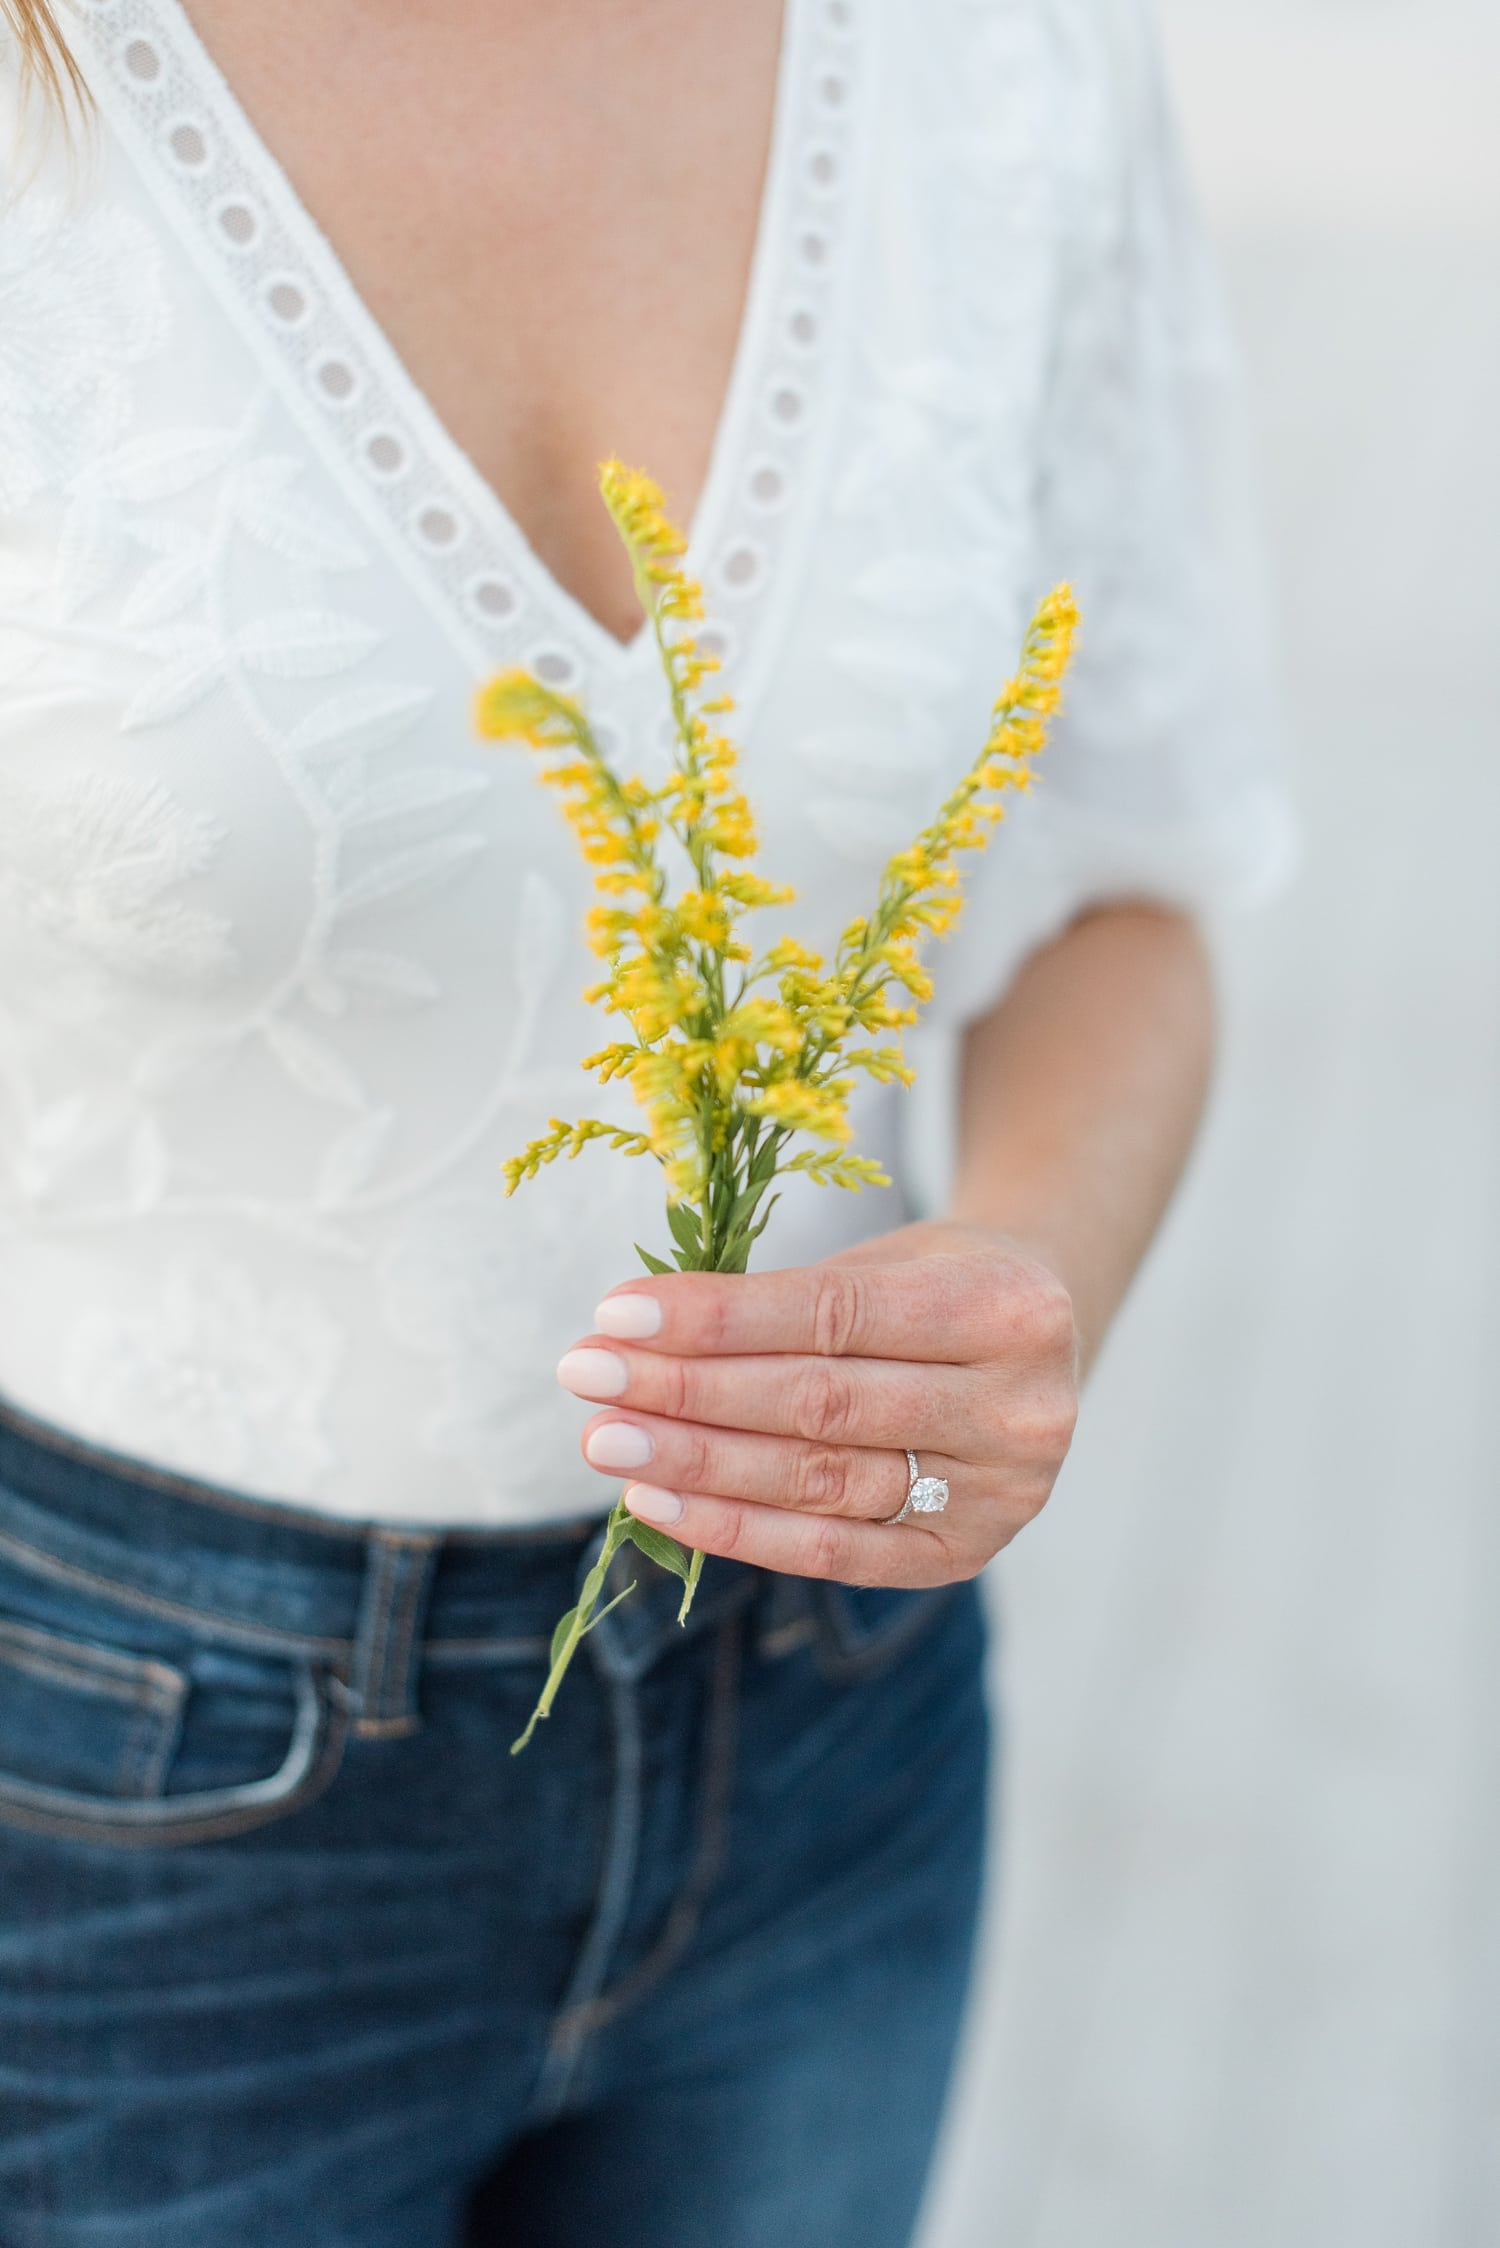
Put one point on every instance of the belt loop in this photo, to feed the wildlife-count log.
(392, 1605)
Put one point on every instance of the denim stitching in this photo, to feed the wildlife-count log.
(151, 1690)
(83, 1668)
(23, 1807)
(399, 1689)
(153, 1738)
(400, 1573)
(259, 1638)
(262, 1638)
(617, 1875)
(685, 1917)
(419, 1560)
(371, 1631)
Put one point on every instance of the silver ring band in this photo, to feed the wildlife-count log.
(925, 1494)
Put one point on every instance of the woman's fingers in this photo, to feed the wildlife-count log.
(767, 1416)
(859, 1401)
(806, 1545)
(771, 1470)
(956, 1310)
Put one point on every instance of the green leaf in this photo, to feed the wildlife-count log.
(560, 1637)
(684, 1224)
(765, 1218)
(763, 1166)
(664, 1551)
(595, 1621)
(652, 1264)
(744, 1206)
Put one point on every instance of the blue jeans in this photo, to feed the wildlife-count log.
(293, 1954)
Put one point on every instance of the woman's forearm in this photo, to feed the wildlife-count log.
(1080, 1096)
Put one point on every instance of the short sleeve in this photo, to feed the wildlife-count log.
(1163, 780)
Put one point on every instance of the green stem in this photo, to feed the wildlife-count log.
(695, 1571)
(580, 1621)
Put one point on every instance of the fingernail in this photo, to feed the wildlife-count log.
(619, 1444)
(632, 1317)
(593, 1373)
(661, 1507)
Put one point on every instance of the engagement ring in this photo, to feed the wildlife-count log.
(926, 1494)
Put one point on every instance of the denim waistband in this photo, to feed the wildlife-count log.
(274, 1577)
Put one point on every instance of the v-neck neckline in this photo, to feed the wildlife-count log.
(207, 159)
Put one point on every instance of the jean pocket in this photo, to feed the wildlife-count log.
(863, 1629)
(119, 1730)
(81, 1717)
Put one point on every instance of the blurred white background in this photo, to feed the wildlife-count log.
(1242, 1983)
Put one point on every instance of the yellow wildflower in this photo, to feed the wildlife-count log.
(704, 917)
(790, 954)
(799, 1105)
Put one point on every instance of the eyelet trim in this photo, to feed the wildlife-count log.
(202, 152)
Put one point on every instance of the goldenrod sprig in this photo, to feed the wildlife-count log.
(731, 1057)
(570, 1140)
(919, 894)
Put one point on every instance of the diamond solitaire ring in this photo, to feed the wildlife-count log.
(927, 1494)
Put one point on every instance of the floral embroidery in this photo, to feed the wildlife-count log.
(180, 524)
(90, 863)
(82, 301)
(211, 1375)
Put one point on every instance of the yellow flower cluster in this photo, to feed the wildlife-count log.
(570, 1140)
(730, 1056)
(919, 889)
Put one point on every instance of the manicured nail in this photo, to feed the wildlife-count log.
(631, 1317)
(619, 1444)
(593, 1373)
(661, 1507)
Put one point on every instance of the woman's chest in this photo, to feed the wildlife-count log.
(550, 215)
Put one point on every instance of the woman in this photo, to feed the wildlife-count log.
(304, 369)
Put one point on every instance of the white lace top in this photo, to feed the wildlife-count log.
(289, 962)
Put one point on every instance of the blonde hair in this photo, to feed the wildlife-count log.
(47, 62)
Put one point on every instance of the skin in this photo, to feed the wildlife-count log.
(557, 238)
(551, 211)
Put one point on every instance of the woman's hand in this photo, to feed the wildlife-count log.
(768, 1416)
